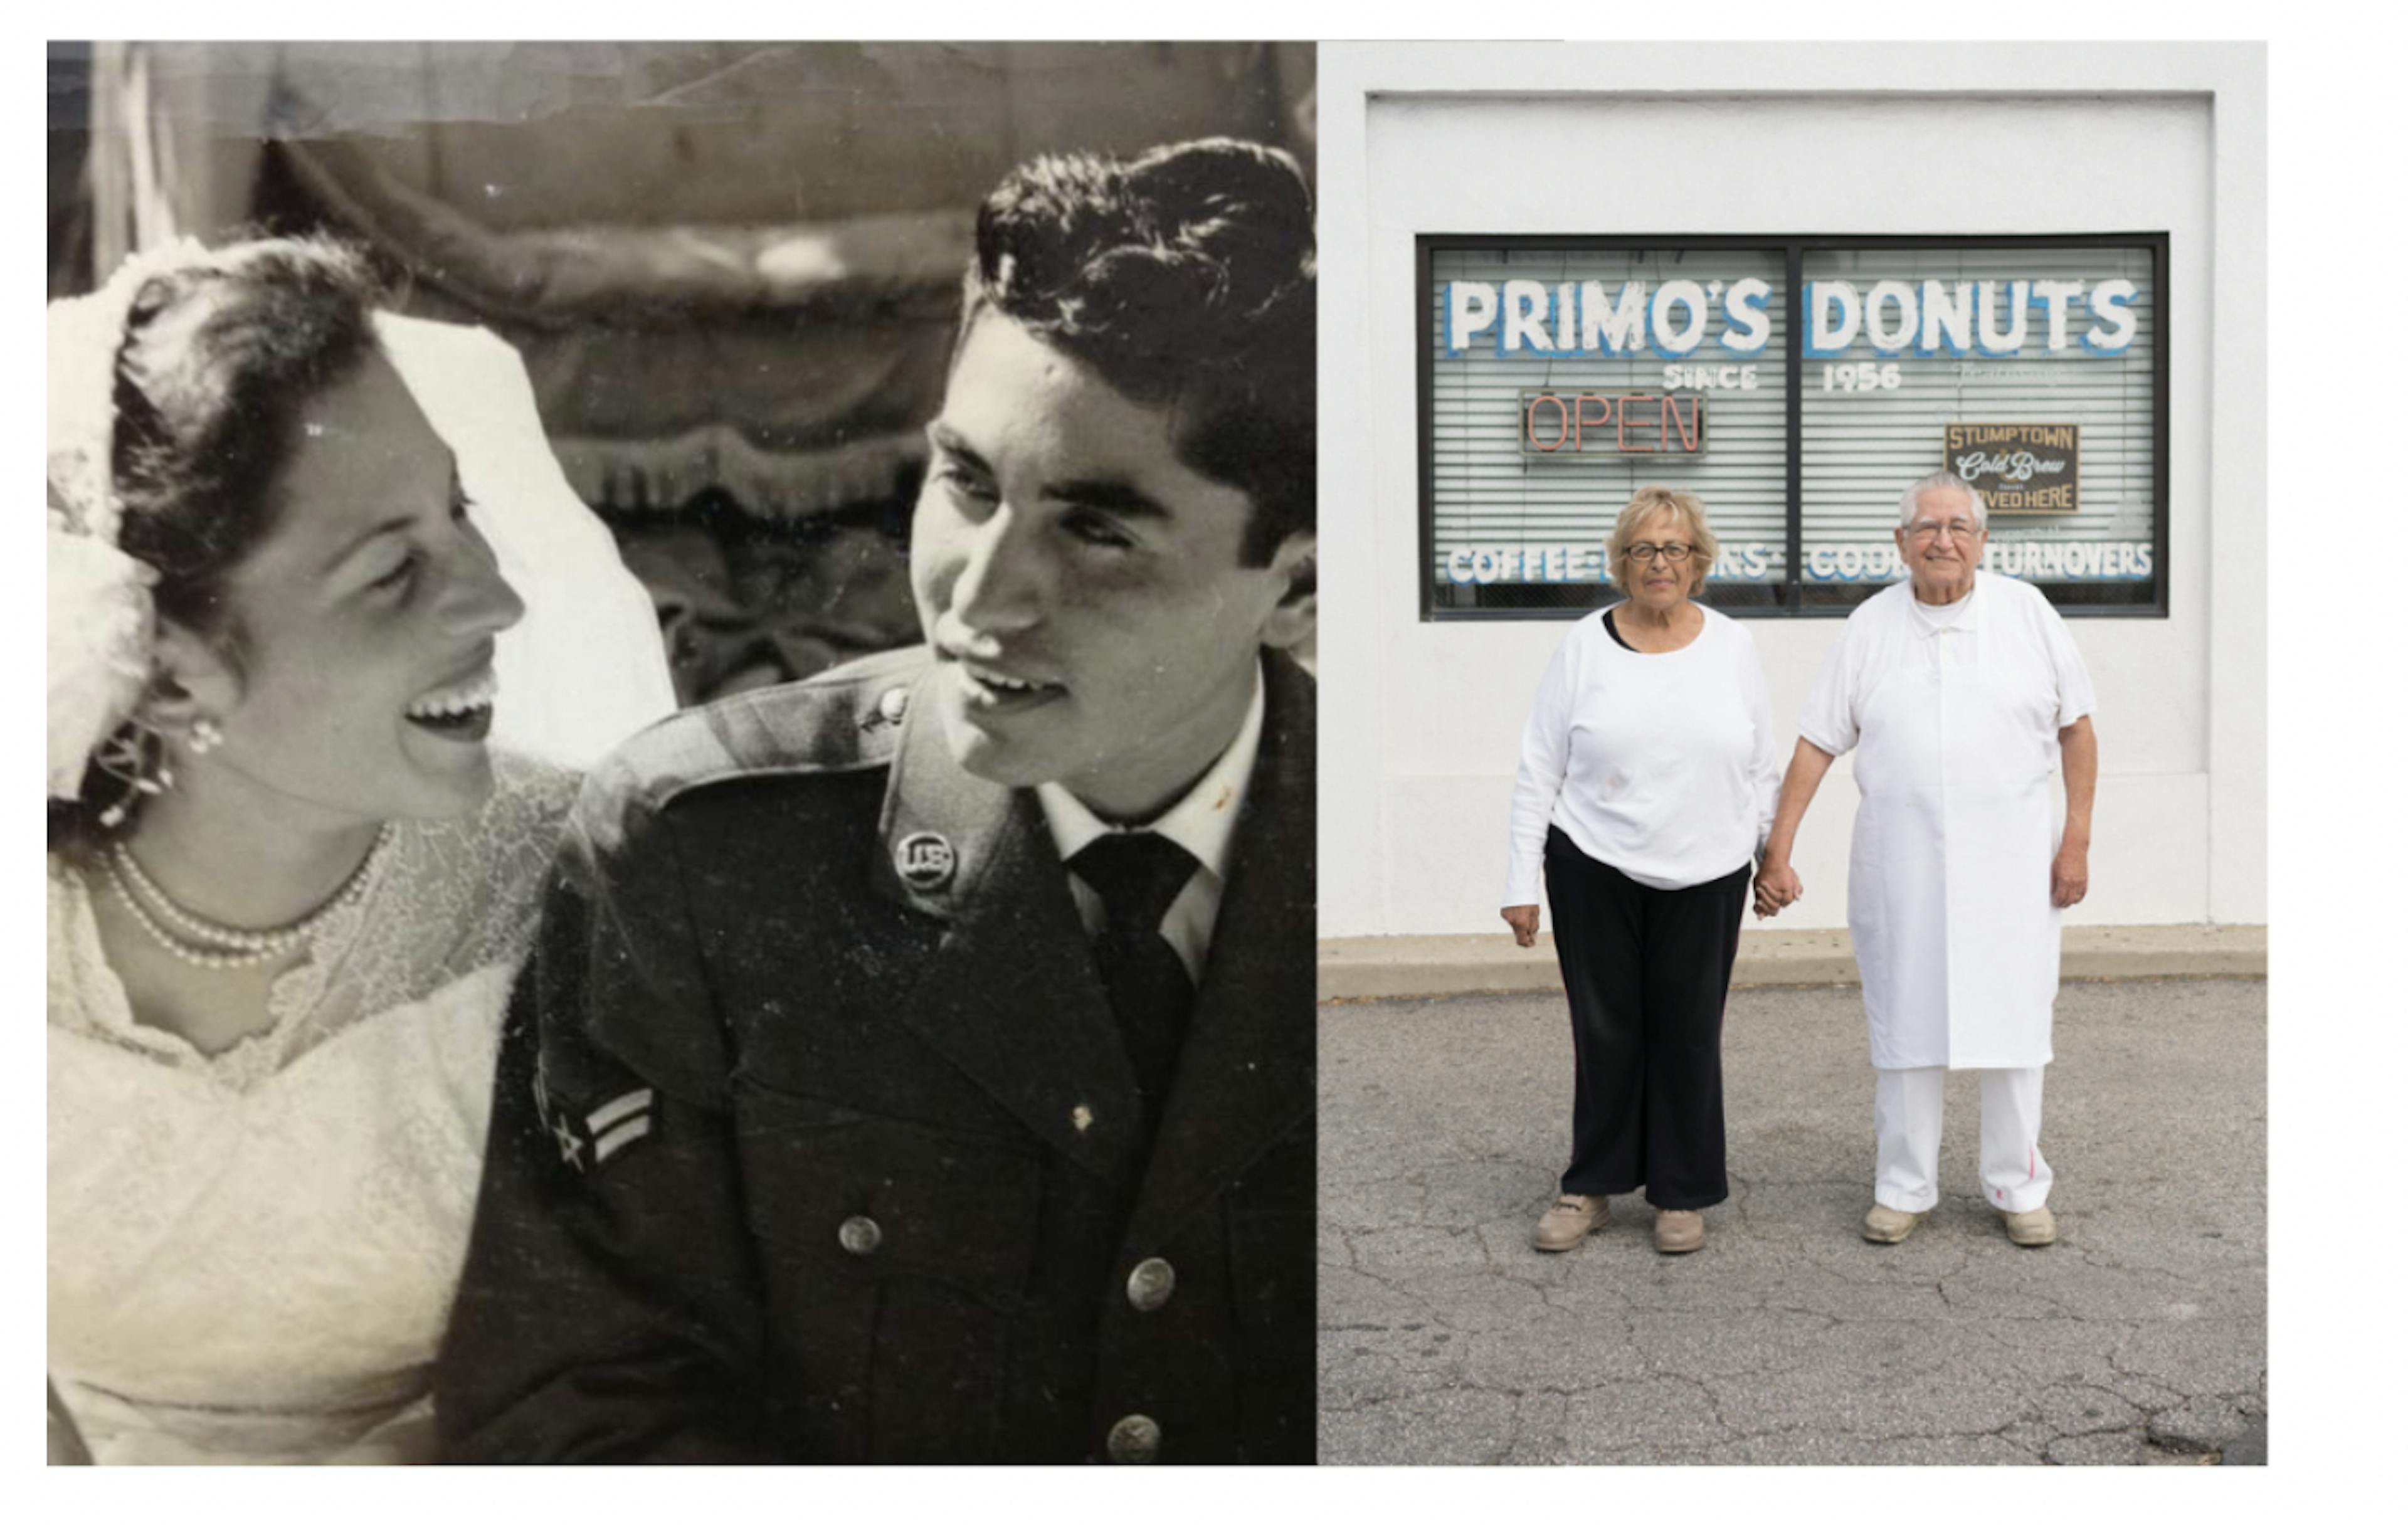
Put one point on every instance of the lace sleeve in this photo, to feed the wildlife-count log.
(453, 898)
(507, 854)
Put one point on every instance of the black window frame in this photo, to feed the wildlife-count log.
(1789, 602)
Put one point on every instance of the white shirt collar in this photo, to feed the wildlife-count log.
(1205, 819)
(1964, 614)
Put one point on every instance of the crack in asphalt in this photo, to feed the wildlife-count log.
(2138, 1338)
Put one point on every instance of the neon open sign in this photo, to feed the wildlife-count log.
(1594, 424)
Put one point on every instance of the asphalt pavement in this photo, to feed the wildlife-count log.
(2139, 1337)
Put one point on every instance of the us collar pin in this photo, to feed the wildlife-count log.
(889, 709)
(924, 860)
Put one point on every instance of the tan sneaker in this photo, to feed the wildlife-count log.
(1888, 1225)
(1679, 1230)
(2031, 1229)
(1565, 1224)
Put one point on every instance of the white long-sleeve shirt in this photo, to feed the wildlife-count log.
(1661, 764)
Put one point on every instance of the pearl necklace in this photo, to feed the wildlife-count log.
(209, 944)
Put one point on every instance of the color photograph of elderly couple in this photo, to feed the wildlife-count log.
(1793, 960)
(1649, 789)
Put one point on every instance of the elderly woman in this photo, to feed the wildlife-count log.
(1959, 690)
(1646, 783)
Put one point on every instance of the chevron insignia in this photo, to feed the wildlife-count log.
(589, 1140)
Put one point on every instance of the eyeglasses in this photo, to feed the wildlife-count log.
(1675, 553)
(1955, 529)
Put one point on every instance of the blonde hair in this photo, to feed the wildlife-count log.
(1647, 504)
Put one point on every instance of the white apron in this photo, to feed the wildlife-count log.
(1948, 874)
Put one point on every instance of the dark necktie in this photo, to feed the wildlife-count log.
(1138, 875)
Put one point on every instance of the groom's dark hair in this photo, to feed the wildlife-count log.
(1185, 276)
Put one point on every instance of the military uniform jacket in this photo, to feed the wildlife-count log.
(813, 1138)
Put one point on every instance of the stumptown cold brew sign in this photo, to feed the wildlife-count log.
(2019, 468)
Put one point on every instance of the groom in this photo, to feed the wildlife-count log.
(916, 1061)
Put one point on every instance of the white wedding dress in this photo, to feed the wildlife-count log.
(252, 1255)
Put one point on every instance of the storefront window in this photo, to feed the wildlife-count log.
(1796, 386)
(1573, 377)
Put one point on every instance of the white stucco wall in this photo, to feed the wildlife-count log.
(1420, 721)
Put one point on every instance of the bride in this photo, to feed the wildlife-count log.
(290, 876)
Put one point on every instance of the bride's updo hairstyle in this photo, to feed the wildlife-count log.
(217, 358)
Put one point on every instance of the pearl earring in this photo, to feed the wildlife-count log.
(204, 735)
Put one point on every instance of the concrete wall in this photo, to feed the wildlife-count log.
(1420, 721)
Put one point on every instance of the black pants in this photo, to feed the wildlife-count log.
(1647, 970)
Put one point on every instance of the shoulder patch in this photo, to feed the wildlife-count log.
(843, 720)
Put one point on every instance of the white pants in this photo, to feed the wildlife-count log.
(1906, 1131)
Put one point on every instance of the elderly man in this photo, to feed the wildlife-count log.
(1960, 690)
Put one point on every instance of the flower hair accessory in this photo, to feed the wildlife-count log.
(100, 609)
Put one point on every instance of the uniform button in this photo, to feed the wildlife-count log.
(1135, 1438)
(1150, 1284)
(891, 703)
(859, 1235)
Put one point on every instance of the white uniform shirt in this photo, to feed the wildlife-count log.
(2002, 619)
(1952, 638)
(1953, 715)
(1661, 764)
(1205, 822)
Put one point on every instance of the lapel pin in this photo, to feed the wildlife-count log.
(926, 860)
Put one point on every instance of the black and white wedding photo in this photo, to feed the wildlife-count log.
(680, 753)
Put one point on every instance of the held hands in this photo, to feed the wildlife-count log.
(1524, 919)
(1777, 886)
(2069, 881)
(2069, 874)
